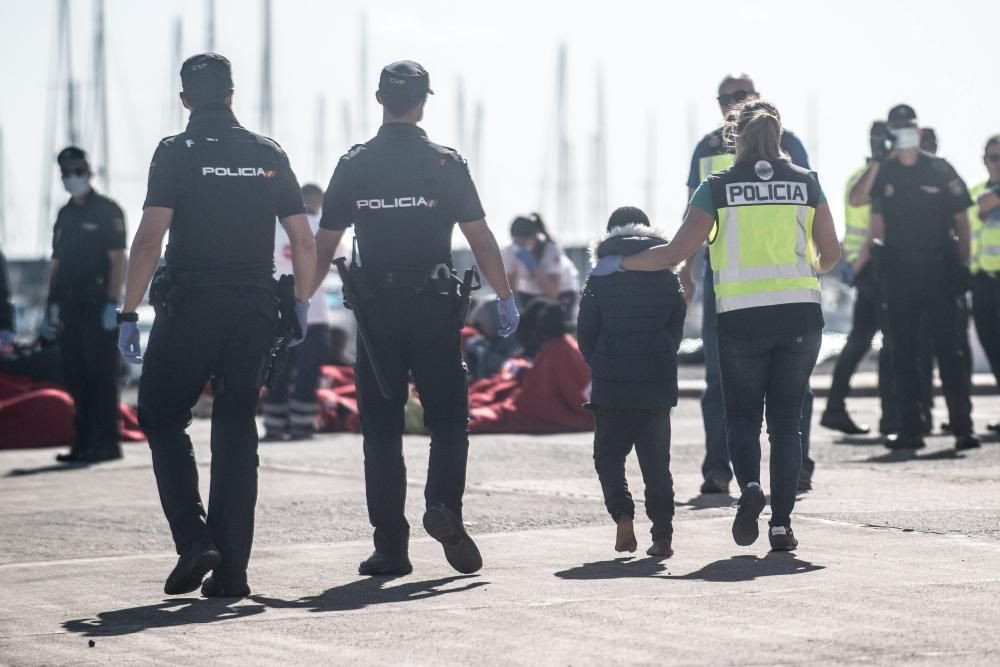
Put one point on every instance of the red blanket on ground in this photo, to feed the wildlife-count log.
(338, 401)
(41, 415)
(545, 396)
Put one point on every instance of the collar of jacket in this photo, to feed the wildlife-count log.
(213, 114)
(598, 247)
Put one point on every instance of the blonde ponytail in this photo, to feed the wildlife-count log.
(754, 128)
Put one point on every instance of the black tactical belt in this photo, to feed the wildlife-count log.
(404, 277)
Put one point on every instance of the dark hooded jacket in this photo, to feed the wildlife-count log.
(630, 327)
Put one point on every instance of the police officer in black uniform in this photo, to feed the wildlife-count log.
(918, 206)
(404, 196)
(218, 188)
(88, 267)
(6, 309)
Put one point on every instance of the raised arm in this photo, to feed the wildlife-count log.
(693, 232)
(861, 193)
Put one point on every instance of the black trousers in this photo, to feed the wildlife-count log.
(222, 334)
(90, 367)
(412, 332)
(913, 292)
(291, 405)
(867, 321)
(616, 432)
(986, 315)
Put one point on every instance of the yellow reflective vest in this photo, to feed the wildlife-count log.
(857, 221)
(763, 253)
(985, 250)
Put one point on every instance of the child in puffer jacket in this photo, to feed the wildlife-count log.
(629, 329)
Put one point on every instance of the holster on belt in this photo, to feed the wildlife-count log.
(164, 292)
(286, 328)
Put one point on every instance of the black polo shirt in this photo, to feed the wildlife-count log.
(84, 234)
(225, 185)
(918, 204)
(404, 195)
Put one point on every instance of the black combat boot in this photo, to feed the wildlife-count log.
(384, 565)
(191, 568)
(446, 527)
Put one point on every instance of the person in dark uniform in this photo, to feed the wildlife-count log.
(919, 215)
(85, 282)
(712, 155)
(218, 188)
(6, 309)
(404, 196)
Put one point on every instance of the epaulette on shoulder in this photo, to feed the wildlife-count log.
(355, 150)
(268, 141)
(448, 151)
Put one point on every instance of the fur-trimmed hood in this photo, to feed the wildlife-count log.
(626, 240)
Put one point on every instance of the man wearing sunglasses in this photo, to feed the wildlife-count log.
(712, 155)
(85, 283)
(984, 218)
(918, 210)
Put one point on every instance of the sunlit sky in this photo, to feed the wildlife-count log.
(831, 67)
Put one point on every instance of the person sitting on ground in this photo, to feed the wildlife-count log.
(629, 329)
(486, 352)
(338, 347)
(536, 265)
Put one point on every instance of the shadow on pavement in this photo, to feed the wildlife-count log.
(748, 568)
(54, 467)
(707, 501)
(860, 441)
(619, 568)
(903, 455)
(371, 591)
(169, 613)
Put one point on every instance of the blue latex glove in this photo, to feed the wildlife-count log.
(608, 265)
(6, 338)
(109, 317)
(48, 329)
(509, 317)
(527, 258)
(128, 342)
(302, 315)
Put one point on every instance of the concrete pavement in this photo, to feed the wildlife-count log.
(899, 562)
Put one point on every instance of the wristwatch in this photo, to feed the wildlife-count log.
(127, 317)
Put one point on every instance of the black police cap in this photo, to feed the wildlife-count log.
(207, 72)
(404, 77)
(71, 154)
(902, 114)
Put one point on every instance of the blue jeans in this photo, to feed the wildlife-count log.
(716, 463)
(767, 374)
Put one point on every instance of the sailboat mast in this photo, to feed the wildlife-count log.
(101, 99)
(266, 108)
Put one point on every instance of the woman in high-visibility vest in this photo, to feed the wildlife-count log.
(773, 232)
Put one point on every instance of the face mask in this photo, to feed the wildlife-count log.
(906, 137)
(76, 185)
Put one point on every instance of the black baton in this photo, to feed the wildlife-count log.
(352, 302)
